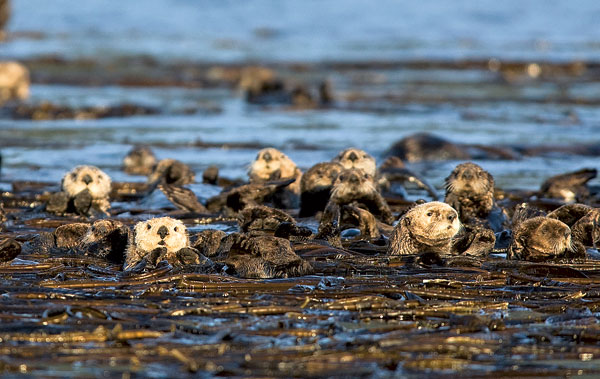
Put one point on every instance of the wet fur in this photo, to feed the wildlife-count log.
(272, 164)
(139, 161)
(316, 186)
(357, 158)
(147, 239)
(426, 227)
(99, 187)
(539, 239)
(355, 185)
(262, 257)
(470, 190)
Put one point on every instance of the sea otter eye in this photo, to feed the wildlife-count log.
(74, 176)
(451, 218)
(99, 177)
(429, 214)
(148, 226)
(175, 229)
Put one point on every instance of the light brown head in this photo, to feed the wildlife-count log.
(271, 164)
(163, 232)
(540, 238)
(357, 158)
(352, 184)
(139, 161)
(469, 180)
(434, 221)
(14, 81)
(87, 177)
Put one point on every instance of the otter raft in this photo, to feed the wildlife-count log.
(299, 189)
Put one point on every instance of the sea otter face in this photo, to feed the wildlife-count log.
(161, 232)
(469, 178)
(434, 221)
(87, 177)
(320, 176)
(271, 164)
(352, 184)
(356, 158)
(139, 161)
(100, 229)
(541, 237)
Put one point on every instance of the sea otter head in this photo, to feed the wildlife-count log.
(271, 164)
(139, 161)
(352, 184)
(540, 238)
(431, 222)
(90, 178)
(161, 232)
(357, 158)
(469, 179)
(320, 176)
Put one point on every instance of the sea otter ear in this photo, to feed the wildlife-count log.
(405, 221)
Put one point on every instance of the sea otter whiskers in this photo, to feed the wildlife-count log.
(159, 239)
(357, 158)
(543, 238)
(272, 164)
(85, 189)
(428, 227)
(470, 190)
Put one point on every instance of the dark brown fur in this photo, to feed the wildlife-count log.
(262, 257)
(470, 190)
(542, 239)
(583, 220)
(354, 185)
(263, 218)
(568, 187)
(315, 187)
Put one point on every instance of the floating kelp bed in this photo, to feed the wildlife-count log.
(361, 314)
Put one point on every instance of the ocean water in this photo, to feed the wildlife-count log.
(265, 31)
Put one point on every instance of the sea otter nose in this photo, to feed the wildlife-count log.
(354, 179)
(352, 156)
(267, 157)
(87, 179)
(162, 232)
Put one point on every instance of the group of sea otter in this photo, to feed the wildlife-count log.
(346, 195)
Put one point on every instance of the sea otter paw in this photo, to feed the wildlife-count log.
(58, 203)
(83, 202)
(188, 256)
(155, 255)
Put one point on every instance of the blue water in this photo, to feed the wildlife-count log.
(308, 31)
